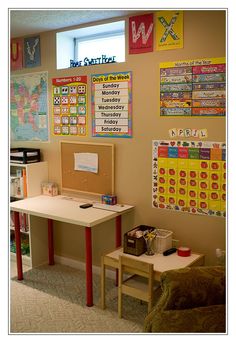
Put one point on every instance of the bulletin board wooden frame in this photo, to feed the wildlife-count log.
(84, 181)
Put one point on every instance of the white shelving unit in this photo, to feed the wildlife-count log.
(35, 174)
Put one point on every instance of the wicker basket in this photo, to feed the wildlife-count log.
(163, 240)
(133, 245)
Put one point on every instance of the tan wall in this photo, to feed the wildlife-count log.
(204, 36)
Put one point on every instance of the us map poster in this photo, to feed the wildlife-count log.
(29, 107)
(112, 104)
(193, 88)
(69, 106)
(189, 176)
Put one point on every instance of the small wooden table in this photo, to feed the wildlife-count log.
(160, 263)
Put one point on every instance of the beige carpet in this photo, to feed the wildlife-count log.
(51, 299)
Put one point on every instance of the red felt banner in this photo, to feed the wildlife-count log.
(141, 34)
(16, 54)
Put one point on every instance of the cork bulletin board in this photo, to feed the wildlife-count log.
(99, 182)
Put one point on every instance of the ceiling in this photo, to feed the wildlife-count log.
(27, 22)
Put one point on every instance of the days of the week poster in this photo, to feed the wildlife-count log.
(189, 176)
(112, 104)
(70, 105)
(193, 88)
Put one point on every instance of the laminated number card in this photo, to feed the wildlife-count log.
(70, 106)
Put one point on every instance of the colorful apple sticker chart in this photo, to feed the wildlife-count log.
(189, 176)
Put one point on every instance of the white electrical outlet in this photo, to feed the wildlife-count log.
(220, 254)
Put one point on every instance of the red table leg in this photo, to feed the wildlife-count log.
(89, 272)
(18, 246)
(118, 231)
(50, 243)
(118, 239)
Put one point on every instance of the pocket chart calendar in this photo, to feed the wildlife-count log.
(189, 176)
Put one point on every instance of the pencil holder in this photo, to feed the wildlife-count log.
(109, 199)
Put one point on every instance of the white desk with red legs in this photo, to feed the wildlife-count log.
(66, 210)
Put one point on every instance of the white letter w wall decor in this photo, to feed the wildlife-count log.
(141, 34)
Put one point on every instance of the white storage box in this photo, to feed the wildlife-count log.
(16, 187)
(163, 240)
(49, 188)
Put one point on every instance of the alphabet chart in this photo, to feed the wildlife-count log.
(193, 88)
(69, 101)
(189, 176)
(112, 104)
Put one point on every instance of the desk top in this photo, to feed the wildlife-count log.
(64, 209)
(161, 263)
